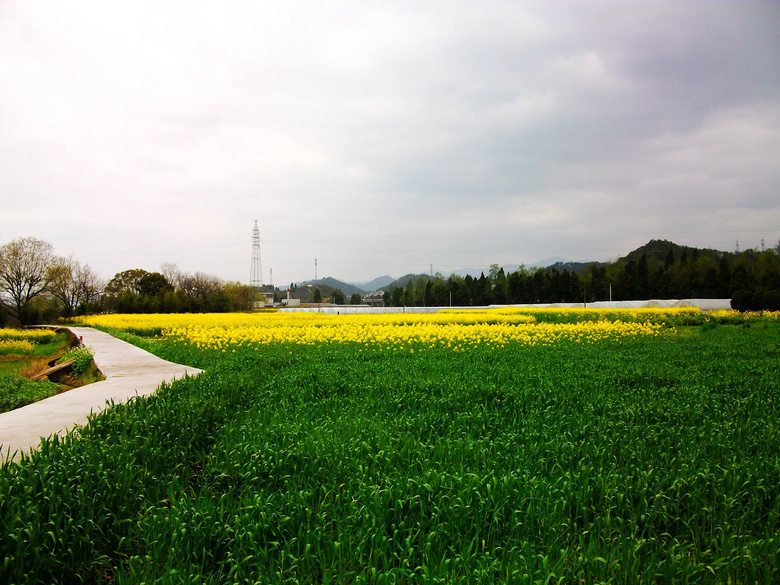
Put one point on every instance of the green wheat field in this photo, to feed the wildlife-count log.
(652, 459)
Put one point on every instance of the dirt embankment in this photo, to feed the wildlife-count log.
(52, 367)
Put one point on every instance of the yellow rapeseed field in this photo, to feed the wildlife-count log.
(457, 330)
(731, 313)
(22, 341)
(31, 335)
(15, 346)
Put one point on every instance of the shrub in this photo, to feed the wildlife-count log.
(766, 300)
(758, 300)
(83, 359)
(742, 300)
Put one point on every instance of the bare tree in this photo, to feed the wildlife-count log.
(62, 285)
(198, 287)
(91, 285)
(171, 272)
(73, 284)
(24, 273)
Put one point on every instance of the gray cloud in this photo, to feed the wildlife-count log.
(382, 138)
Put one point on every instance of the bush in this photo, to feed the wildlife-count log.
(742, 300)
(758, 300)
(83, 358)
(766, 300)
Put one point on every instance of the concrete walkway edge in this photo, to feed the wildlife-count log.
(129, 370)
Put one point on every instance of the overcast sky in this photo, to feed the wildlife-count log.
(386, 137)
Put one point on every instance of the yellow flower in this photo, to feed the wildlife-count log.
(457, 329)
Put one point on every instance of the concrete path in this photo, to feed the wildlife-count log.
(129, 371)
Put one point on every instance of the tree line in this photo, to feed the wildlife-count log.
(38, 286)
(750, 278)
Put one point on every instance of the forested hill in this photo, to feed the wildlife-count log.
(329, 283)
(660, 250)
(657, 270)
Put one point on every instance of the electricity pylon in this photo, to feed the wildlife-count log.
(256, 272)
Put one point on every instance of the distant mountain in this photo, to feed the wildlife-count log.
(464, 272)
(569, 266)
(658, 249)
(407, 277)
(377, 284)
(552, 260)
(329, 283)
(508, 268)
(477, 272)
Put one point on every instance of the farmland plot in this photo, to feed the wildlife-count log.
(651, 456)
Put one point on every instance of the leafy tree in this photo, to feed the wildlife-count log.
(669, 259)
(126, 281)
(500, 288)
(576, 292)
(469, 291)
(456, 287)
(241, 297)
(338, 296)
(742, 300)
(740, 279)
(428, 294)
(153, 284)
(493, 273)
(515, 288)
(397, 296)
(440, 293)
(595, 278)
(356, 299)
(24, 273)
(539, 287)
(554, 287)
(408, 296)
(317, 295)
(139, 291)
(419, 292)
(484, 291)
(724, 277)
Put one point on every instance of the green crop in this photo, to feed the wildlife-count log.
(639, 461)
(17, 391)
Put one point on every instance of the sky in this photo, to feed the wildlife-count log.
(386, 137)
